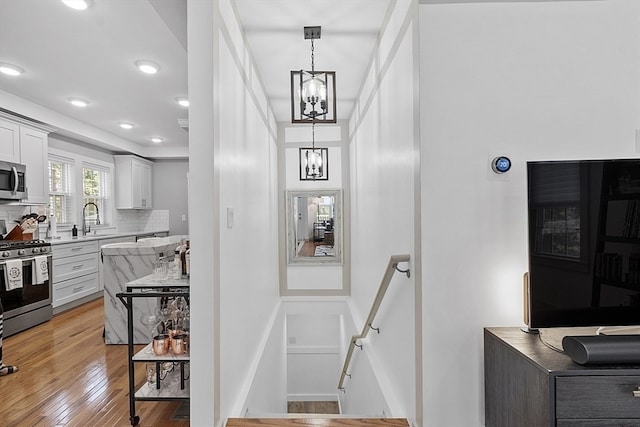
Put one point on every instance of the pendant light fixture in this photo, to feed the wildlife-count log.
(313, 93)
(313, 100)
(314, 162)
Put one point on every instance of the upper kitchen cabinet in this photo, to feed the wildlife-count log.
(33, 153)
(133, 182)
(28, 145)
(9, 142)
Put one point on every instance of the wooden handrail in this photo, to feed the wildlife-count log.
(392, 266)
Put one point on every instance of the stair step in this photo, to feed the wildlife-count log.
(316, 422)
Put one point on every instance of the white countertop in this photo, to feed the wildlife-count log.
(165, 246)
(91, 237)
(149, 281)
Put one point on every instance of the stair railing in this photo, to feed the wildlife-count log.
(392, 267)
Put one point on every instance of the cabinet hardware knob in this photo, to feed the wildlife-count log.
(636, 392)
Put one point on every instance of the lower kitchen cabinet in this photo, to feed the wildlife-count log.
(530, 384)
(75, 272)
(70, 290)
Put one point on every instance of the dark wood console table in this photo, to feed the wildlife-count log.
(530, 384)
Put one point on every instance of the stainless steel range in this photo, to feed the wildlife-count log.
(25, 285)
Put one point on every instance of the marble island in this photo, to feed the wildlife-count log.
(126, 264)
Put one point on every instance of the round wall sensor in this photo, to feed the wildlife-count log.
(501, 164)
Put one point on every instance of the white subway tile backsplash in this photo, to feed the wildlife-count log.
(134, 220)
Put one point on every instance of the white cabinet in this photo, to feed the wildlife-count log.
(133, 182)
(28, 145)
(141, 184)
(33, 153)
(75, 272)
(9, 142)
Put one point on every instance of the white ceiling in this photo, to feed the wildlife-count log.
(91, 54)
(274, 29)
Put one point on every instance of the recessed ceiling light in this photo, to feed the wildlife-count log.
(78, 102)
(76, 4)
(147, 67)
(156, 139)
(125, 125)
(183, 101)
(10, 69)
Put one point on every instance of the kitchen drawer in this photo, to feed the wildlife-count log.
(72, 289)
(591, 397)
(73, 249)
(75, 266)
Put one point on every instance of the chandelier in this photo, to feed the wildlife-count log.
(313, 93)
(314, 162)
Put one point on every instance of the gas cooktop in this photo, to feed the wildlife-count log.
(18, 244)
(21, 248)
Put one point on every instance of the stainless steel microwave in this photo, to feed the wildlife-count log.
(12, 181)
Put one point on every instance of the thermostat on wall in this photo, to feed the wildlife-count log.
(501, 164)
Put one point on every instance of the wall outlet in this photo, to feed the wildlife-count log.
(292, 340)
(184, 217)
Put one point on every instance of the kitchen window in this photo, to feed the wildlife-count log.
(60, 189)
(96, 192)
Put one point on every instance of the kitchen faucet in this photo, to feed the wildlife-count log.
(86, 227)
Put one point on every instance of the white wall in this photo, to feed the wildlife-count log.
(385, 210)
(313, 362)
(205, 244)
(361, 394)
(532, 80)
(170, 193)
(234, 279)
(267, 393)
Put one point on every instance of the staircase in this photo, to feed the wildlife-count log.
(318, 421)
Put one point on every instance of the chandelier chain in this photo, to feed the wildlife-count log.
(312, 58)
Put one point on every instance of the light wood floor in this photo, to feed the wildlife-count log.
(69, 377)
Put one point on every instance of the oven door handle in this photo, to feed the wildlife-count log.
(15, 178)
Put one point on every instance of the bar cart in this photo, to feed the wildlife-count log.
(171, 371)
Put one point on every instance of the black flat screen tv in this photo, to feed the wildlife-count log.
(584, 243)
